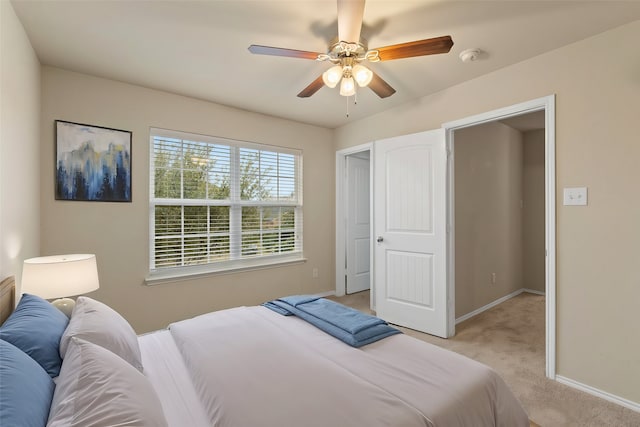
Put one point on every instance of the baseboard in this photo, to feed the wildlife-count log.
(496, 302)
(488, 306)
(325, 294)
(634, 406)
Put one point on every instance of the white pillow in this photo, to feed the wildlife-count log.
(97, 388)
(98, 323)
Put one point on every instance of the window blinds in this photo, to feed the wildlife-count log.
(221, 203)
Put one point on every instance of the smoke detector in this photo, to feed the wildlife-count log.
(470, 55)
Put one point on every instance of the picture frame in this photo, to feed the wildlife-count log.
(93, 163)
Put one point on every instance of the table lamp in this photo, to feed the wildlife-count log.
(60, 276)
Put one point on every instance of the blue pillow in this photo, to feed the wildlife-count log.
(36, 327)
(25, 389)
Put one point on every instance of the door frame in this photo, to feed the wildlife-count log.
(547, 104)
(341, 217)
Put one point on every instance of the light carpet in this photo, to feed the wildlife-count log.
(510, 338)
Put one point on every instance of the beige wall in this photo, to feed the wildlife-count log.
(597, 83)
(597, 87)
(19, 145)
(497, 167)
(118, 233)
(488, 215)
(533, 213)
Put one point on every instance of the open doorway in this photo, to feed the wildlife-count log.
(446, 225)
(499, 235)
(499, 212)
(353, 220)
(358, 222)
(500, 222)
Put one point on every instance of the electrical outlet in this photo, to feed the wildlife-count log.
(493, 278)
(575, 196)
(314, 272)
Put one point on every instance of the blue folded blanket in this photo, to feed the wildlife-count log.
(348, 325)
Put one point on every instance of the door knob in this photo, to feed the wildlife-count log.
(379, 239)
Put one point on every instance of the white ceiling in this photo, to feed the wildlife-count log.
(199, 48)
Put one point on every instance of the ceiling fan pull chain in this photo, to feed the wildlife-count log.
(347, 98)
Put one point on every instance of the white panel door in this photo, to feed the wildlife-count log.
(358, 225)
(410, 228)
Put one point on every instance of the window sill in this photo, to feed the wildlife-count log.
(161, 277)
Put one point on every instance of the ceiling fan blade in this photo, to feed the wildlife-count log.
(380, 87)
(312, 88)
(417, 48)
(350, 13)
(279, 51)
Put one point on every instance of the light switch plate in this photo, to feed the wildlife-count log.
(576, 196)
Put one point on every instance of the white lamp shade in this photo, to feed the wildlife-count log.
(362, 75)
(60, 275)
(332, 76)
(347, 87)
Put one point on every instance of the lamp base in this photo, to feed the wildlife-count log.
(65, 305)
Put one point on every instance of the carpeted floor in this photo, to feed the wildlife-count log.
(510, 339)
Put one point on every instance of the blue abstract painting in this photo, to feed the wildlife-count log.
(93, 163)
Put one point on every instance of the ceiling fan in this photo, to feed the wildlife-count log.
(349, 51)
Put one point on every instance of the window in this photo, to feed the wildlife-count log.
(217, 204)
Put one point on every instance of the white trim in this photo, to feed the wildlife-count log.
(550, 232)
(488, 306)
(547, 104)
(451, 236)
(152, 224)
(177, 134)
(496, 302)
(500, 113)
(234, 202)
(341, 211)
(235, 211)
(325, 294)
(161, 277)
(634, 406)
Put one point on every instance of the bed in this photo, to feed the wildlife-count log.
(241, 367)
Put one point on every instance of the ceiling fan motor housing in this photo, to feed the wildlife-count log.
(348, 50)
(339, 50)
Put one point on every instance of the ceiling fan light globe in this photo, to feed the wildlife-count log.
(362, 75)
(332, 76)
(347, 87)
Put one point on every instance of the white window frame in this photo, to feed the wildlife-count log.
(236, 263)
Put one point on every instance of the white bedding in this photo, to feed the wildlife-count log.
(253, 367)
(164, 367)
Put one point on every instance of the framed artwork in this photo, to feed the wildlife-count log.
(93, 163)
